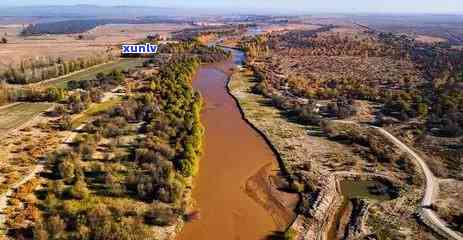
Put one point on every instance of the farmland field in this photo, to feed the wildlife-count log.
(90, 73)
(68, 46)
(16, 115)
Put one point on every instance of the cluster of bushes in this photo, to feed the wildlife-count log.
(78, 102)
(75, 103)
(343, 108)
(446, 114)
(72, 208)
(305, 113)
(255, 47)
(206, 54)
(374, 147)
(101, 81)
(443, 111)
(31, 71)
(405, 105)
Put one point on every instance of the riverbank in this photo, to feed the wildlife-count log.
(311, 159)
(263, 119)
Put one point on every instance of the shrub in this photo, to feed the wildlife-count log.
(59, 110)
(160, 216)
(297, 187)
(79, 190)
(289, 234)
(40, 231)
(67, 170)
(65, 123)
(56, 226)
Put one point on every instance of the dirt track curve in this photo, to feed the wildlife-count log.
(431, 191)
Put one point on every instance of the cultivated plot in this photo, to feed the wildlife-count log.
(122, 64)
(19, 114)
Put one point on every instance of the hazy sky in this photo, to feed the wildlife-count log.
(409, 6)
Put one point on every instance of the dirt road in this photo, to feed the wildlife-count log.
(431, 191)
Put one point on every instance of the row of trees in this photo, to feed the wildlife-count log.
(11, 94)
(31, 71)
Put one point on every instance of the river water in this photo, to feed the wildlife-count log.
(233, 152)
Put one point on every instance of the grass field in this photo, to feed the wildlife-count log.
(95, 109)
(17, 115)
(122, 64)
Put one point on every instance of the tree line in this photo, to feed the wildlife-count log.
(30, 94)
(36, 70)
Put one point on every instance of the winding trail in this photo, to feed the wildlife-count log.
(431, 191)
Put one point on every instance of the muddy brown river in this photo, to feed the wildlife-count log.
(233, 152)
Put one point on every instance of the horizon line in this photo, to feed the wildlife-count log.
(255, 9)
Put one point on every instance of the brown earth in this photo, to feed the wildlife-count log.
(263, 188)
